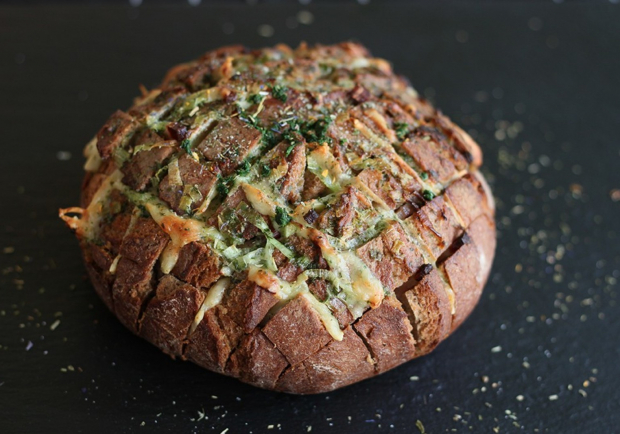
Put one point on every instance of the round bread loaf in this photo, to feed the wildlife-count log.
(298, 219)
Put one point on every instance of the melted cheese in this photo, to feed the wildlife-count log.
(199, 98)
(94, 212)
(366, 287)
(327, 318)
(87, 225)
(384, 210)
(266, 279)
(205, 204)
(213, 298)
(74, 222)
(324, 165)
(359, 285)
(451, 298)
(287, 291)
(181, 231)
(279, 171)
(371, 136)
(259, 200)
(161, 213)
(360, 62)
(114, 264)
(93, 159)
(380, 121)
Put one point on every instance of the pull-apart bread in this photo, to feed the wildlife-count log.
(298, 219)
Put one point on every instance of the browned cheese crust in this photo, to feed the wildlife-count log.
(298, 219)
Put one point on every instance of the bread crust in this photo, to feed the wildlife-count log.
(167, 318)
(386, 331)
(298, 219)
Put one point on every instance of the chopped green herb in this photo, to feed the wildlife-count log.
(143, 211)
(295, 124)
(244, 168)
(428, 195)
(222, 189)
(290, 148)
(282, 217)
(186, 146)
(265, 170)
(223, 185)
(247, 117)
(424, 176)
(402, 129)
(317, 131)
(321, 128)
(312, 131)
(270, 138)
(343, 141)
(255, 99)
(278, 91)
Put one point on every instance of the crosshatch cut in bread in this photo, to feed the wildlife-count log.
(298, 219)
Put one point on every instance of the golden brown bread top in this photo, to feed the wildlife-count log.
(283, 196)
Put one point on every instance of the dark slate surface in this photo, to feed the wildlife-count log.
(536, 84)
